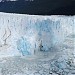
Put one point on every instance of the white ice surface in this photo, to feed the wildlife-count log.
(59, 43)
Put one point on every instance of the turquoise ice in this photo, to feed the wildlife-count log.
(23, 46)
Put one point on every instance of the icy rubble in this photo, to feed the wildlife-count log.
(37, 45)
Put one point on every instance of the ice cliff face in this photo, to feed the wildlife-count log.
(27, 35)
(46, 42)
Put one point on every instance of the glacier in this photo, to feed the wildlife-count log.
(37, 45)
(41, 34)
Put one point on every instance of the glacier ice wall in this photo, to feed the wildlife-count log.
(28, 34)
